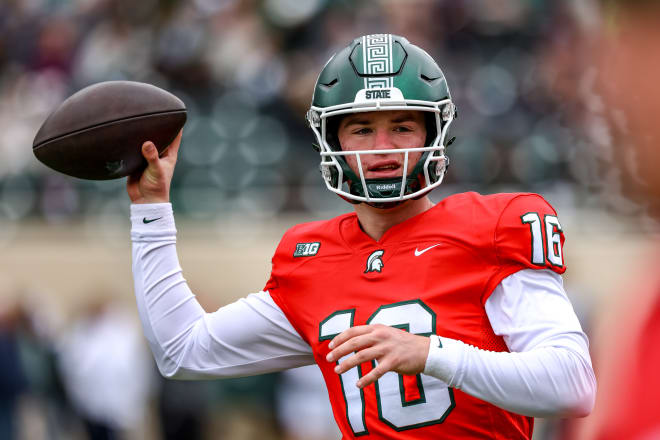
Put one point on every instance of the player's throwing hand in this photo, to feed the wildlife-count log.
(152, 185)
(393, 349)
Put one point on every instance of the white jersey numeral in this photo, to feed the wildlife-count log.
(552, 230)
(551, 249)
(354, 396)
(435, 399)
(532, 218)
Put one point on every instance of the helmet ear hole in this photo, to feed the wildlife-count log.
(332, 132)
(431, 130)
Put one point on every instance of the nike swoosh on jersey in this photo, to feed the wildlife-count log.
(145, 220)
(418, 252)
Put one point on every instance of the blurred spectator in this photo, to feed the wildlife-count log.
(107, 371)
(33, 402)
(241, 409)
(614, 66)
(303, 408)
(267, 52)
(627, 60)
(13, 380)
(184, 408)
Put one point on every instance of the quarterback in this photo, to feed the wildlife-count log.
(444, 320)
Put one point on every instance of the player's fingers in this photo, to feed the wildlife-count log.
(373, 375)
(356, 343)
(348, 334)
(131, 186)
(172, 151)
(173, 148)
(356, 359)
(132, 180)
(150, 153)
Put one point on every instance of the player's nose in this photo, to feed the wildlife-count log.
(383, 140)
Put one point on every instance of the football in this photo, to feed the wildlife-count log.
(98, 132)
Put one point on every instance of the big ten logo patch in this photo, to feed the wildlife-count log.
(307, 249)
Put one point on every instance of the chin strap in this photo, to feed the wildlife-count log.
(385, 205)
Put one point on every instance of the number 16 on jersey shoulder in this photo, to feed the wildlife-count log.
(549, 248)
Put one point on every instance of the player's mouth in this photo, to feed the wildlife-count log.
(384, 169)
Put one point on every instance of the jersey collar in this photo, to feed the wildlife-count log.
(357, 239)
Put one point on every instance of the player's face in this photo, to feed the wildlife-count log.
(382, 130)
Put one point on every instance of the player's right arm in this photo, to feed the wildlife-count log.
(250, 336)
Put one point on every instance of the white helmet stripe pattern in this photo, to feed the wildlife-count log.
(377, 59)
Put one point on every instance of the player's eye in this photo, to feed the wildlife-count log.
(403, 129)
(362, 130)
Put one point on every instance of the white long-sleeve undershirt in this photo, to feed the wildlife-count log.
(547, 373)
(250, 336)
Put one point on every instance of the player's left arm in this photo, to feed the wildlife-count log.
(548, 371)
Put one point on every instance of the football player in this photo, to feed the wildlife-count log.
(427, 321)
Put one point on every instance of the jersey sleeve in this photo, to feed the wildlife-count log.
(528, 235)
(279, 269)
(279, 285)
(292, 285)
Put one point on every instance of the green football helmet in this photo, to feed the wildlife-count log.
(376, 73)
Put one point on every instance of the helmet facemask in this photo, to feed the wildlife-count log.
(352, 186)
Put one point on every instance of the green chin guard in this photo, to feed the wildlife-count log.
(383, 188)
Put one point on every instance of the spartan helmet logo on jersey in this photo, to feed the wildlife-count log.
(376, 73)
(375, 262)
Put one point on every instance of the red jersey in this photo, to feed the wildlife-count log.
(430, 274)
